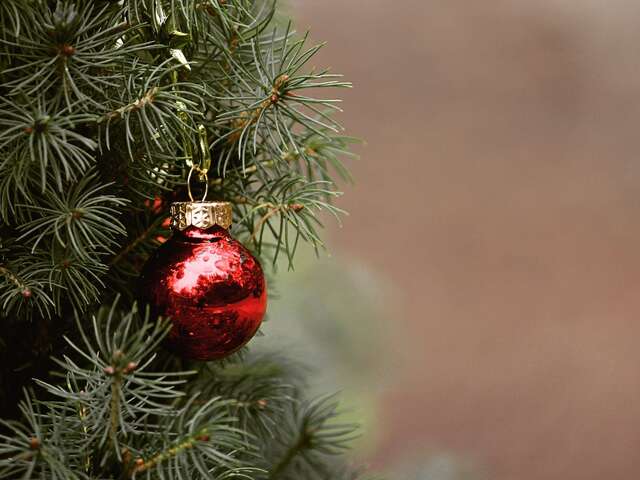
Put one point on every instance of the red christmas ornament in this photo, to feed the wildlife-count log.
(207, 282)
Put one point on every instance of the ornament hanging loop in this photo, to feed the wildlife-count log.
(205, 163)
(203, 177)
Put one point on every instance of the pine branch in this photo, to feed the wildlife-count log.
(9, 275)
(270, 104)
(288, 457)
(143, 465)
(31, 450)
(148, 97)
(30, 132)
(84, 219)
(314, 438)
(23, 284)
(70, 48)
(100, 108)
(141, 238)
(148, 109)
(295, 201)
(261, 390)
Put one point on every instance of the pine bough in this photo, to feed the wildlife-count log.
(102, 108)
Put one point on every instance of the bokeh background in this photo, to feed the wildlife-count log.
(480, 305)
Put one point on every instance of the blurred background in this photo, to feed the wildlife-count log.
(480, 305)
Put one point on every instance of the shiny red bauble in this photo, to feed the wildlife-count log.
(212, 289)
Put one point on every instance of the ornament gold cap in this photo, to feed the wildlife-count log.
(200, 214)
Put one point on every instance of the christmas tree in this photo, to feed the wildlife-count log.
(110, 111)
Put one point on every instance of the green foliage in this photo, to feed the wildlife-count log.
(310, 438)
(113, 409)
(119, 88)
(115, 416)
(104, 105)
(39, 146)
(287, 208)
(23, 284)
(82, 220)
